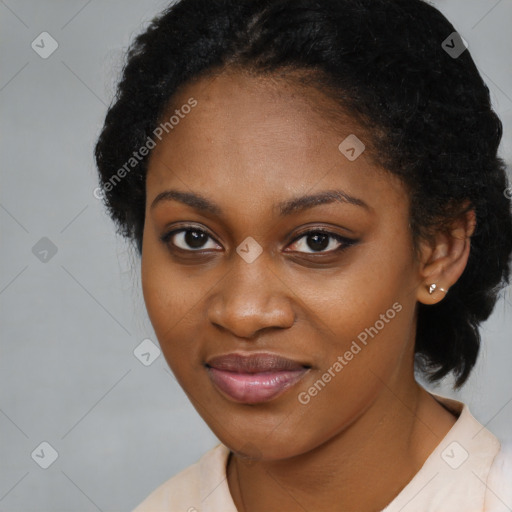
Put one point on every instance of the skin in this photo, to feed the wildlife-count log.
(249, 144)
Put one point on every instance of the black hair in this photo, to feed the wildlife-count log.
(426, 114)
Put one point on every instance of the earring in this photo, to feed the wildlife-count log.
(433, 287)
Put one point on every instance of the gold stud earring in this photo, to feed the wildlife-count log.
(433, 287)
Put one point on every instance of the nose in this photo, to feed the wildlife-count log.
(250, 298)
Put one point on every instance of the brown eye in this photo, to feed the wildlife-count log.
(317, 241)
(188, 239)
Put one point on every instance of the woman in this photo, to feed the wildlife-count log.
(314, 190)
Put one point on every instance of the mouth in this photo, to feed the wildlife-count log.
(254, 378)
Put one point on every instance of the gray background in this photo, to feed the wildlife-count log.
(69, 325)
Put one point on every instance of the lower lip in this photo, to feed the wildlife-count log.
(253, 388)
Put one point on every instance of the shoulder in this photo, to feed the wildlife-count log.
(499, 482)
(183, 492)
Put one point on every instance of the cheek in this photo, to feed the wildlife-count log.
(168, 307)
(342, 303)
(356, 368)
(165, 291)
(175, 306)
(365, 315)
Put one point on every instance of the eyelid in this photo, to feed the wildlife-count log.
(313, 229)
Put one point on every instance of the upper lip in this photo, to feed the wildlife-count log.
(254, 363)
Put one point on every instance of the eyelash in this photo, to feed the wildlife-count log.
(345, 242)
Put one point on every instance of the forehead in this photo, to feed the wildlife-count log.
(247, 111)
(254, 139)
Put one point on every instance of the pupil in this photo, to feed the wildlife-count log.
(195, 239)
(319, 241)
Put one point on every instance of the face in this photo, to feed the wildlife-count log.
(235, 262)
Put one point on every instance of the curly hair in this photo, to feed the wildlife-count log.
(427, 116)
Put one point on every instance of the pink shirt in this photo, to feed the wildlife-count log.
(468, 471)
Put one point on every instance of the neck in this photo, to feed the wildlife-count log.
(363, 467)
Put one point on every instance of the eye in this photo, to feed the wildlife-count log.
(189, 239)
(193, 239)
(318, 240)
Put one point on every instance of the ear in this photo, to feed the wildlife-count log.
(444, 257)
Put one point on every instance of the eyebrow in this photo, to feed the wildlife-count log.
(288, 207)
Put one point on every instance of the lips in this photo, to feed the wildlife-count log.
(254, 378)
